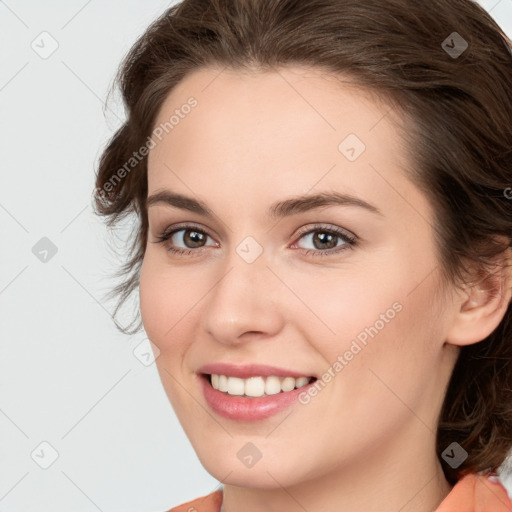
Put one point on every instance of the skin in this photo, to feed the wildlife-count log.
(367, 440)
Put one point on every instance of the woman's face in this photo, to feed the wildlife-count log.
(283, 287)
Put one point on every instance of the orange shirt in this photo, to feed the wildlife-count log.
(472, 493)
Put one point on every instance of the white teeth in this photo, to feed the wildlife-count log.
(288, 384)
(301, 381)
(272, 385)
(223, 383)
(257, 386)
(236, 386)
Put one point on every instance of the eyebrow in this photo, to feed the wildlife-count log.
(279, 209)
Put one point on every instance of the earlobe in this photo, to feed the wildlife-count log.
(483, 305)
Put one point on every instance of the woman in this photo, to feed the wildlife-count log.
(323, 247)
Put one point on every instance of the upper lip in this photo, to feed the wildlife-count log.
(249, 370)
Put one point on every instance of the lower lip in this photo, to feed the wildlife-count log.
(242, 408)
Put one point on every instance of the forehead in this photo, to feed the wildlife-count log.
(273, 110)
(276, 133)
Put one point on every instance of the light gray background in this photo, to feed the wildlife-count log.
(68, 377)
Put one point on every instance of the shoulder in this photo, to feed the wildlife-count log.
(209, 503)
(477, 492)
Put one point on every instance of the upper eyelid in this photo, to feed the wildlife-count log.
(186, 226)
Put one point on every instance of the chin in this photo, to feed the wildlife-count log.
(269, 472)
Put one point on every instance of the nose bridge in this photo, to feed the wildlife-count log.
(243, 297)
(245, 269)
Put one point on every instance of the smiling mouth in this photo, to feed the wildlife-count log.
(256, 387)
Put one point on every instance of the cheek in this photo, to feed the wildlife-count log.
(377, 315)
(151, 293)
(337, 306)
(162, 300)
(170, 300)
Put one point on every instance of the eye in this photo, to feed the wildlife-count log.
(326, 240)
(192, 237)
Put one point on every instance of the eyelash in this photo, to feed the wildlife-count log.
(349, 239)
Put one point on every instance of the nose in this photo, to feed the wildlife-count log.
(244, 303)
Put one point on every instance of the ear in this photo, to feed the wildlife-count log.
(482, 305)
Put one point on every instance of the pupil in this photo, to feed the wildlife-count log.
(322, 237)
(192, 235)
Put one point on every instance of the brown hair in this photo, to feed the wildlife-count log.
(458, 136)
